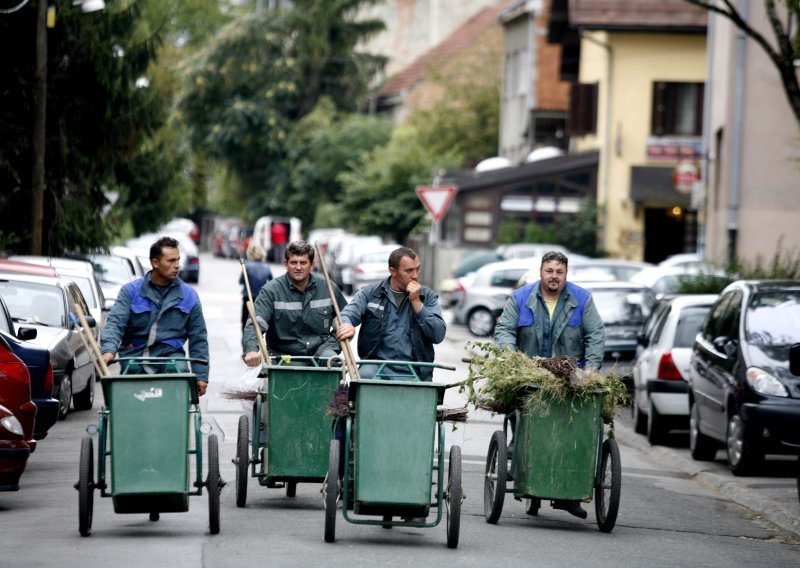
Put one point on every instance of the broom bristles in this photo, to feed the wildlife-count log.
(240, 394)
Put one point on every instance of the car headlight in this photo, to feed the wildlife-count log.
(764, 383)
(11, 424)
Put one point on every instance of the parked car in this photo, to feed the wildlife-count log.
(82, 273)
(683, 260)
(530, 250)
(19, 267)
(344, 256)
(744, 394)
(586, 269)
(135, 257)
(371, 265)
(190, 256)
(661, 366)
(112, 272)
(623, 307)
(486, 292)
(665, 281)
(184, 226)
(44, 303)
(40, 369)
(262, 233)
(17, 416)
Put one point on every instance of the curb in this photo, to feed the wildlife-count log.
(765, 508)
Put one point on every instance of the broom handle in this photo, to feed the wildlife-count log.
(349, 360)
(90, 339)
(262, 345)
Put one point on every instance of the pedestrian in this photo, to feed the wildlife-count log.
(258, 274)
(400, 319)
(155, 315)
(295, 310)
(279, 236)
(552, 317)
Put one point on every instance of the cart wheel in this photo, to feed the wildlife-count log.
(213, 484)
(155, 516)
(534, 504)
(330, 491)
(494, 482)
(85, 487)
(609, 487)
(454, 497)
(242, 461)
(291, 488)
(388, 519)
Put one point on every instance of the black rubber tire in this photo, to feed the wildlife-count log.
(656, 430)
(242, 460)
(331, 491)
(639, 420)
(291, 488)
(743, 455)
(86, 487)
(609, 487)
(477, 322)
(701, 447)
(64, 396)
(454, 497)
(213, 484)
(494, 479)
(84, 400)
(154, 517)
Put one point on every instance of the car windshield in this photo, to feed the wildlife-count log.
(622, 306)
(111, 270)
(375, 257)
(85, 284)
(689, 324)
(773, 318)
(31, 302)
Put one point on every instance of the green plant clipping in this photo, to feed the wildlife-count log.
(501, 381)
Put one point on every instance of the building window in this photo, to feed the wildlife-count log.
(582, 117)
(677, 109)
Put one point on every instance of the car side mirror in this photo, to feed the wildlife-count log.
(794, 359)
(730, 348)
(27, 333)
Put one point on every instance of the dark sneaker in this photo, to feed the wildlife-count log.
(571, 507)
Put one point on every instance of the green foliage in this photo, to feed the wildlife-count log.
(703, 283)
(508, 231)
(579, 232)
(537, 234)
(784, 265)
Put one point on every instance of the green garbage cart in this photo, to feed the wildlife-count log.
(286, 440)
(149, 428)
(393, 470)
(558, 453)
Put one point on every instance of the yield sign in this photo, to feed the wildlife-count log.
(436, 199)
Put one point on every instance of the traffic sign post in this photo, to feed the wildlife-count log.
(436, 199)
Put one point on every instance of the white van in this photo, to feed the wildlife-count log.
(262, 233)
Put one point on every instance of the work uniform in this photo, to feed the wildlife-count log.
(575, 329)
(155, 321)
(296, 322)
(392, 332)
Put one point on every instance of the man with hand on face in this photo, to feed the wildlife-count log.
(400, 319)
(295, 310)
(553, 317)
(155, 315)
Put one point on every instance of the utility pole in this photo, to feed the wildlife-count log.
(39, 119)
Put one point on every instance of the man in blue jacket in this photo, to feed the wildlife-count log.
(400, 319)
(552, 317)
(155, 315)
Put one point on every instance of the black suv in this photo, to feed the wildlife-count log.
(742, 392)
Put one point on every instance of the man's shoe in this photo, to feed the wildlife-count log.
(571, 507)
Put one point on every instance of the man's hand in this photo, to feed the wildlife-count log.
(414, 288)
(108, 357)
(252, 358)
(345, 331)
(201, 387)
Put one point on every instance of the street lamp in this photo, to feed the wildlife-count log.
(40, 117)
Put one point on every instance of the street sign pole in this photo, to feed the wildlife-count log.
(436, 199)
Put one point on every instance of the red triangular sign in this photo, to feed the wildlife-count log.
(436, 199)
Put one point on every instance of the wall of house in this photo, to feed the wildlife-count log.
(769, 200)
(518, 72)
(638, 60)
(415, 26)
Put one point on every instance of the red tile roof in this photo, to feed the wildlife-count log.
(455, 43)
(604, 14)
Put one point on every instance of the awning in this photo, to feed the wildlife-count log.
(654, 184)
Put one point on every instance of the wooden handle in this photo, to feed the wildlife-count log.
(87, 337)
(262, 345)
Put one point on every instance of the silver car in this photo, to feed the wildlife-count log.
(46, 304)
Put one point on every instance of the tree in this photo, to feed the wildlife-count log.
(787, 37)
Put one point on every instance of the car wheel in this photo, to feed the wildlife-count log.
(742, 455)
(656, 429)
(85, 399)
(639, 419)
(64, 396)
(481, 322)
(701, 446)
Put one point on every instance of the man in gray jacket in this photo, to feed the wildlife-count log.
(552, 317)
(400, 319)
